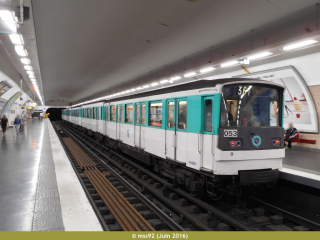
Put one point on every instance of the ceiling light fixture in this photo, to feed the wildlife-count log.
(21, 51)
(132, 90)
(16, 39)
(146, 86)
(6, 15)
(259, 55)
(190, 74)
(31, 76)
(127, 91)
(228, 64)
(28, 67)
(30, 72)
(299, 44)
(154, 84)
(139, 88)
(175, 78)
(164, 81)
(208, 69)
(25, 60)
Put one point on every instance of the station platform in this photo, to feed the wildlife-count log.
(302, 165)
(39, 190)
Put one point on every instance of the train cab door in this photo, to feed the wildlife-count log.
(208, 133)
(119, 121)
(170, 146)
(137, 125)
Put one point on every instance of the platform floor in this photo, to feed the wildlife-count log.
(39, 190)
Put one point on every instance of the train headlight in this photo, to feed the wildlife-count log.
(235, 143)
(276, 142)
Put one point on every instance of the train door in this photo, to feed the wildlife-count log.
(106, 119)
(170, 146)
(208, 133)
(119, 121)
(137, 126)
(183, 148)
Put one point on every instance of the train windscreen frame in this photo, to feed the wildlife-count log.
(251, 105)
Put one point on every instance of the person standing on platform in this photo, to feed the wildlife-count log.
(17, 122)
(290, 134)
(4, 124)
(23, 119)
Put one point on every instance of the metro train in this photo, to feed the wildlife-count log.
(211, 136)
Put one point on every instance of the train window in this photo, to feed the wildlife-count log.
(120, 113)
(94, 113)
(129, 113)
(113, 113)
(250, 105)
(182, 115)
(208, 115)
(138, 114)
(143, 114)
(170, 114)
(155, 115)
(107, 113)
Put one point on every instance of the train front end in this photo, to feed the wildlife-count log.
(251, 136)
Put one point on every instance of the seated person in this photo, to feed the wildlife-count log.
(290, 134)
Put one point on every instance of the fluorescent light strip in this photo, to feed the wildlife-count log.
(154, 84)
(299, 44)
(164, 81)
(27, 67)
(146, 86)
(16, 39)
(227, 64)
(30, 72)
(139, 88)
(21, 51)
(190, 74)
(6, 15)
(208, 69)
(175, 78)
(31, 76)
(259, 55)
(132, 90)
(25, 60)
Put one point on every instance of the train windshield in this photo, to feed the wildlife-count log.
(255, 105)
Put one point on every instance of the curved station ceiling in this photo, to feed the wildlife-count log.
(88, 48)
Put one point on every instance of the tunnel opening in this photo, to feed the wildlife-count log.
(55, 113)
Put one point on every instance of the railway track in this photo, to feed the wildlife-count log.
(125, 214)
(221, 216)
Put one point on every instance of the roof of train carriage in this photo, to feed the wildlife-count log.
(185, 87)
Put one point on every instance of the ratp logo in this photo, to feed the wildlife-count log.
(256, 141)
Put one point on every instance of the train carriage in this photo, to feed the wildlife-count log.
(205, 135)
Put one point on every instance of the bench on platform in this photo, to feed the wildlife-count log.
(298, 139)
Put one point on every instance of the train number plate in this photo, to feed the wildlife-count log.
(230, 133)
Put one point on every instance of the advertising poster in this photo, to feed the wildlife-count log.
(4, 87)
(299, 105)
